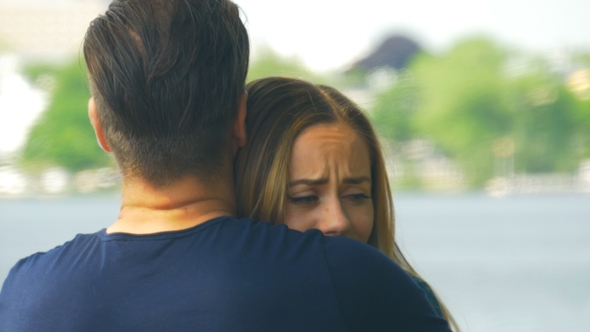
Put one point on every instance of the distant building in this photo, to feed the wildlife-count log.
(379, 70)
(395, 52)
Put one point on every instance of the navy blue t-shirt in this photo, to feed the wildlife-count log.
(223, 275)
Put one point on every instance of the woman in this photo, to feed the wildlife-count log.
(313, 161)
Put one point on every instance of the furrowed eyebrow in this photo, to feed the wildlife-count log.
(315, 182)
(357, 180)
(309, 182)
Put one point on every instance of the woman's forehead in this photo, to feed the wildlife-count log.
(325, 148)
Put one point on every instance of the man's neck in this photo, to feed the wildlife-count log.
(189, 202)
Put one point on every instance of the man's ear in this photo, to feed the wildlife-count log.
(93, 115)
(239, 135)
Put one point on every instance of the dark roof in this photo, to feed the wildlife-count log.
(395, 52)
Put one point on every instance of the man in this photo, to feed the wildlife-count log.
(167, 80)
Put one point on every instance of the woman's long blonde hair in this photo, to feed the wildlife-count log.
(278, 110)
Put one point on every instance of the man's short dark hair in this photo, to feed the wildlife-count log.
(167, 76)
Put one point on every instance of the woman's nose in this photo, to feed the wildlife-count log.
(335, 221)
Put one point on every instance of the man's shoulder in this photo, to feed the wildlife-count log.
(374, 293)
(235, 268)
(350, 254)
(331, 250)
(337, 252)
(69, 247)
(40, 276)
(41, 263)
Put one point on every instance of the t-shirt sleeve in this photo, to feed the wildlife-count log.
(374, 293)
(13, 297)
(429, 295)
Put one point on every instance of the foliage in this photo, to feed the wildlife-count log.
(63, 135)
(395, 109)
(544, 127)
(466, 99)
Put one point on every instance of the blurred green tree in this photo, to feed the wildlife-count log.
(468, 100)
(460, 104)
(395, 109)
(579, 84)
(544, 126)
(63, 135)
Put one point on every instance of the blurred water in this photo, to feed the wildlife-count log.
(514, 264)
(31, 225)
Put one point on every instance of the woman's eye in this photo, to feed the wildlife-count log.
(357, 197)
(303, 200)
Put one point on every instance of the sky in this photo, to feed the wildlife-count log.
(330, 35)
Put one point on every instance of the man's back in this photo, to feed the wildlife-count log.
(223, 275)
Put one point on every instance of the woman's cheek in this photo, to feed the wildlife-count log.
(364, 222)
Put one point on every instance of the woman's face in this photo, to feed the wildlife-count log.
(330, 183)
